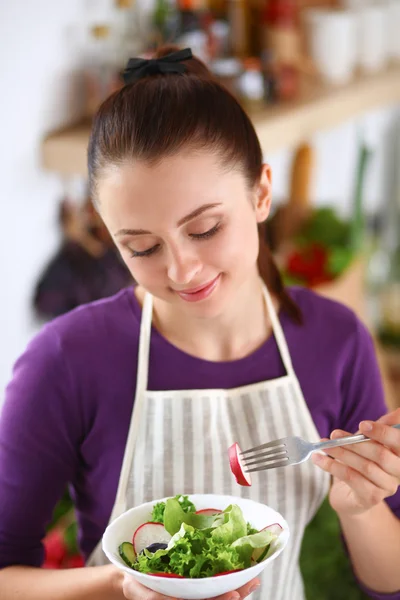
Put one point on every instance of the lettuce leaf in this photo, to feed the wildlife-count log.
(157, 515)
(174, 516)
(233, 527)
(191, 553)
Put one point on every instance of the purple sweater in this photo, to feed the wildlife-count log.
(68, 406)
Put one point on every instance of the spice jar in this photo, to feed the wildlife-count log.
(227, 71)
(251, 84)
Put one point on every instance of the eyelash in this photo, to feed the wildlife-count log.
(196, 236)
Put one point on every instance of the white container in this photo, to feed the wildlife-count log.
(373, 37)
(393, 28)
(197, 41)
(377, 31)
(259, 515)
(333, 43)
(251, 85)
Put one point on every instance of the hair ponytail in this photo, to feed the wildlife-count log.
(272, 278)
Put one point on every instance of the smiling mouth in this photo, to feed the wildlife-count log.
(200, 292)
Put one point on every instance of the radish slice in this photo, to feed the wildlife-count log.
(150, 533)
(237, 466)
(228, 572)
(275, 528)
(209, 511)
(167, 575)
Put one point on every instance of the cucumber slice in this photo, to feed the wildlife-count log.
(260, 553)
(127, 553)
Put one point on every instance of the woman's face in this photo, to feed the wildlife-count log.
(186, 227)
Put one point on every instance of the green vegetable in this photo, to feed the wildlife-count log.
(357, 224)
(339, 259)
(204, 545)
(250, 529)
(247, 544)
(174, 516)
(233, 527)
(191, 553)
(325, 227)
(159, 508)
(127, 553)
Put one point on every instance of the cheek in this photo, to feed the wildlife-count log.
(145, 271)
(237, 246)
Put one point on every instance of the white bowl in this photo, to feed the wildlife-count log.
(259, 516)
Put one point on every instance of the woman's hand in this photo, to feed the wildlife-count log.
(367, 473)
(133, 590)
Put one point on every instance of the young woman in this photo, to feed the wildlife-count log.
(208, 348)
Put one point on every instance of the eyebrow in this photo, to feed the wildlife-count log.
(195, 213)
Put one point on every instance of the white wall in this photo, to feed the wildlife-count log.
(40, 91)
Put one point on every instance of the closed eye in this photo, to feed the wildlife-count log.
(206, 234)
(149, 252)
(195, 236)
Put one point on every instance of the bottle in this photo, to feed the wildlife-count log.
(281, 37)
(270, 73)
(238, 13)
(166, 22)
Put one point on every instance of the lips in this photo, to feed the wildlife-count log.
(200, 292)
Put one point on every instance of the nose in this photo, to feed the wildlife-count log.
(183, 266)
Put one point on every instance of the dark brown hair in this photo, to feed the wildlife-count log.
(159, 115)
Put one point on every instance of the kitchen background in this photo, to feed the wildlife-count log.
(323, 86)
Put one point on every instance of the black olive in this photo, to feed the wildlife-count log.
(154, 547)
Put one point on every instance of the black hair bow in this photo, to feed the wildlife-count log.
(170, 63)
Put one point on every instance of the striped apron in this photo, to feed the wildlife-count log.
(178, 441)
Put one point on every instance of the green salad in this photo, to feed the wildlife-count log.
(181, 541)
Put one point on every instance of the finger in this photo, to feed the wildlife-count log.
(242, 592)
(249, 588)
(392, 418)
(382, 433)
(368, 493)
(387, 460)
(133, 590)
(367, 468)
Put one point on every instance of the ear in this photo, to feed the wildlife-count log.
(263, 194)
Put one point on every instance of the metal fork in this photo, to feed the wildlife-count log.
(291, 451)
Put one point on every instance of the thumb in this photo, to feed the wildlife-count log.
(133, 590)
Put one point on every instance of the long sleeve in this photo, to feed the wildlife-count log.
(363, 398)
(40, 432)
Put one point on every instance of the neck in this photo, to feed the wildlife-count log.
(239, 331)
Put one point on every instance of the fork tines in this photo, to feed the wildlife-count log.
(267, 456)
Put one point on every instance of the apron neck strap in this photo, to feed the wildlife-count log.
(278, 332)
(144, 345)
(141, 387)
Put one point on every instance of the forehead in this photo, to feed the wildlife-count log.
(175, 184)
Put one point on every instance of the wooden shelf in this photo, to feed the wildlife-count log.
(319, 108)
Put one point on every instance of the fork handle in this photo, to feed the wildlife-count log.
(344, 441)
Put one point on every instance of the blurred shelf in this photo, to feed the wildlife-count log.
(319, 107)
